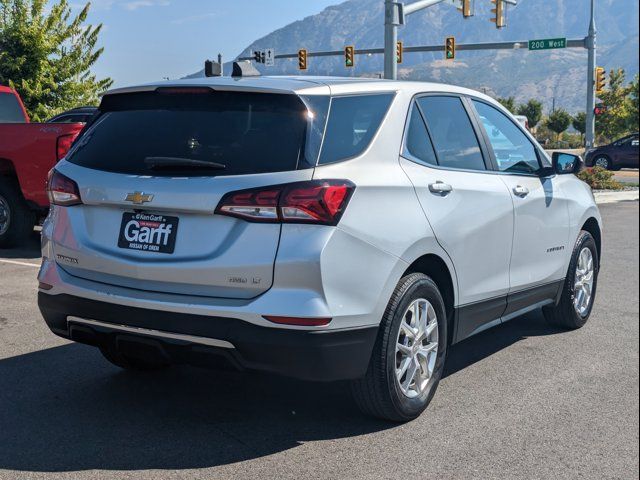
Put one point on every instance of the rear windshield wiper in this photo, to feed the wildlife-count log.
(157, 163)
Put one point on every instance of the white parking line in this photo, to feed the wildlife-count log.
(15, 262)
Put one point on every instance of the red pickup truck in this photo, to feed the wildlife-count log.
(27, 152)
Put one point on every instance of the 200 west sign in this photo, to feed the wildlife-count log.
(547, 43)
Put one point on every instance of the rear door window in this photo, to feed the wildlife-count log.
(353, 122)
(196, 132)
(452, 133)
(10, 110)
(418, 144)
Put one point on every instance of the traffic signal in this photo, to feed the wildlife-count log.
(399, 52)
(302, 59)
(600, 109)
(601, 80)
(499, 17)
(258, 56)
(349, 56)
(450, 48)
(467, 9)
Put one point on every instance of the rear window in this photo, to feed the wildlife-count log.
(198, 132)
(353, 122)
(10, 110)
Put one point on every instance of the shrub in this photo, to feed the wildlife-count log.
(599, 179)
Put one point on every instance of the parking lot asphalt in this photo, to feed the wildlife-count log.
(523, 400)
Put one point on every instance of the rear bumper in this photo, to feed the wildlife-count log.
(318, 355)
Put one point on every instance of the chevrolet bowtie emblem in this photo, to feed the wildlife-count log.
(139, 198)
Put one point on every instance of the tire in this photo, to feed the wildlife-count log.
(566, 314)
(129, 363)
(602, 161)
(379, 392)
(16, 218)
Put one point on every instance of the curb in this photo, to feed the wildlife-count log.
(615, 197)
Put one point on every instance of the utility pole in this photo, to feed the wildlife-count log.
(590, 133)
(392, 16)
(395, 13)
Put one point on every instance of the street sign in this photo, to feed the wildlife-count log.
(547, 44)
(269, 57)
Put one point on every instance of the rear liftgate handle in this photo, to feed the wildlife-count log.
(440, 188)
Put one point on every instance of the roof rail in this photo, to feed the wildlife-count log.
(244, 69)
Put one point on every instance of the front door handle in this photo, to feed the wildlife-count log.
(440, 188)
(521, 191)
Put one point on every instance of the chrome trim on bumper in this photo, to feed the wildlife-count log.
(212, 342)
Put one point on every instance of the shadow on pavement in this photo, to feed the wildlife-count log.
(30, 249)
(65, 409)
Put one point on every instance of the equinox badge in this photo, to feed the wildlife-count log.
(139, 198)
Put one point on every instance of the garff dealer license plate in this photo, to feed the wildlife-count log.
(148, 232)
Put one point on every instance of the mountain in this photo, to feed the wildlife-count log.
(545, 75)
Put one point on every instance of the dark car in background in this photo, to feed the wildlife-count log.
(623, 153)
(76, 115)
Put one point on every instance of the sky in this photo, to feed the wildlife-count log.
(147, 40)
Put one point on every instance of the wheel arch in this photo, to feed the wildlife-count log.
(593, 227)
(438, 270)
(7, 168)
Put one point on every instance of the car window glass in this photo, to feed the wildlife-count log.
(418, 144)
(513, 150)
(10, 110)
(353, 121)
(71, 119)
(452, 133)
(247, 133)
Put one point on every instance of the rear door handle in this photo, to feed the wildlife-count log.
(440, 188)
(521, 191)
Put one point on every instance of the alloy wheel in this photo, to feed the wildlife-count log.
(583, 287)
(5, 216)
(416, 348)
(602, 162)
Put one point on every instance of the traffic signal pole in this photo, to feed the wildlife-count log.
(460, 47)
(394, 16)
(590, 132)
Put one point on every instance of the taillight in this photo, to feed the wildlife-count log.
(318, 202)
(299, 321)
(63, 145)
(62, 190)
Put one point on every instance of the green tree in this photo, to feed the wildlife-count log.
(532, 110)
(615, 121)
(579, 122)
(633, 106)
(509, 103)
(47, 54)
(558, 122)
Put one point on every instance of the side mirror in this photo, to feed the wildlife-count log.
(564, 163)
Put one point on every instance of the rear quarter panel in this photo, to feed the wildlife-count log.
(30, 148)
(383, 229)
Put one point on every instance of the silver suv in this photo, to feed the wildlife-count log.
(320, 228)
